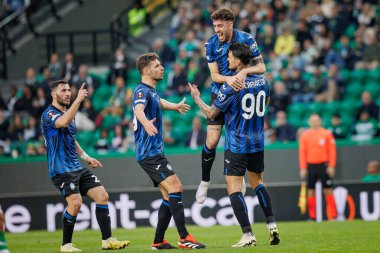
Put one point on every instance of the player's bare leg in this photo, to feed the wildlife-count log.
(3, 242)
(100, 196)
(74, 202)
(208, 156)
(234, 184)
(174, 188)
(256, 182)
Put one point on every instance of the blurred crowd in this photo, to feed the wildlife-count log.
(306, 45)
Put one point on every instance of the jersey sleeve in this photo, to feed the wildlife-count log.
(50, 117)
(209, 52)
(251, 42)
(141, 96)
(224, 98)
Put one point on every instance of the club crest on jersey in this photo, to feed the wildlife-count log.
(140, 94)
(72, 186)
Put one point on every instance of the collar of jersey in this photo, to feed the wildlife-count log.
(150, 87)
(56, 108)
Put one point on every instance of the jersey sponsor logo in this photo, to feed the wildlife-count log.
(322, 142)
(254, 46)
(52, 114)
(72, 186)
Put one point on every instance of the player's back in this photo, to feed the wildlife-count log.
(245, 115)
(60, 143)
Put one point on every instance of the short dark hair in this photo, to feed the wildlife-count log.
(144, 60)
(223, 14)
(242, 52)
(55, 84)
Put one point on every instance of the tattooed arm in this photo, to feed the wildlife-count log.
(210, 111)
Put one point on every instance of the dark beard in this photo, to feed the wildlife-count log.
(61, 102)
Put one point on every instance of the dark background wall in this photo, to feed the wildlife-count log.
(124, 174)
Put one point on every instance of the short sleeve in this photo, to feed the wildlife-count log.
(251, 42)
(141, 96)
(209, 52)
(224, 98)
(50, 117)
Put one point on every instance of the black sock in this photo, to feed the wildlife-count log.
(164, 217)
(240, 211)
(208, 157)
(265, 202)
(68, 227)
(104, 220)
(176, 208)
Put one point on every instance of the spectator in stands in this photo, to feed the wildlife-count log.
(373, 170)
(138, 17)
(31, 79)
(178, 18)
(3, 105)
(118, 98)
(118, 65)
(117, 140)
(168, 135)
(346, 52)
(4, 125)
(166, 54)
(371, 51)
(89, 110)
(367, 16)
(303, 34)
(269, 133)
(365, 128)
(24, 103)
(31, 131)
(197, 136)
(267, 39)
(330, 56)
(12, 98)
(69, 69)
(189, 44)
(279, 100)
(47, 79)
(296, 87)
(16, 128)
(84, 77)
(39, 102)
(284, 131)
(55, 66)
(368, 105)
(284, 43)
(339, 130)
(129, 140)
(102, 144)
(331, 84)
(177, 81)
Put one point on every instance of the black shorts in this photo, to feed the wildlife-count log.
(79, 181)
(219, 120)
(157, 167)
(318, 171)
(236, 164)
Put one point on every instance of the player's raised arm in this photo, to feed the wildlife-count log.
(147, 124)
(69, 115)
(180, 107)
(210, 111)
(232, 81)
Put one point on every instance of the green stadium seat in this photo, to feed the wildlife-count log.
(110, 121)
(345, 75)
(358, 75)
(353, 90)
(348, 105)
(373, 88)
(374, 75)
(297, 109)
(332, 107)
(316, 107)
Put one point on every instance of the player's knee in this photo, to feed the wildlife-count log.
(103, 198)
(176, 187)
(75, 204)
(212, 142)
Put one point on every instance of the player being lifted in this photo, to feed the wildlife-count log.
(67, 173)
(147, 123)
(244, 149)
(217, 53)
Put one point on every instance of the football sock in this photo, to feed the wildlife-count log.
(311, 205)
(331, 212)
(240, 211)
(208, 157)
(104, 220)
(68, 227)
(265, 202)
(164, 217)
(176, 208)
(3, 242)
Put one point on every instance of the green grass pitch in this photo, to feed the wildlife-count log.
(349, 236)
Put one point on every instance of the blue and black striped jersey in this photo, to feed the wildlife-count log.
(244, 114)
(60, 143)
(217, 51)
(147, 146)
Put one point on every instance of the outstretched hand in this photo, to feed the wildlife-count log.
(150, 128)
(194, 90)
(94, 163)
(182, 107)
